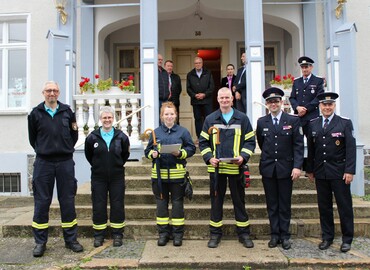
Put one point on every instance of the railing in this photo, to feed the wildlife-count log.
(124, 103)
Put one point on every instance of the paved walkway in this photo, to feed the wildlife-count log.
(16, 253)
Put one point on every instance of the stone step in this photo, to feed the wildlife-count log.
(201, 212)
(253, 196)
(200, 181)
(137, 169)
(194, 229)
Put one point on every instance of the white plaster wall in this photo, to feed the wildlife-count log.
(43, 17)
(358, 11)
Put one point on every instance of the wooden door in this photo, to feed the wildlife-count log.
(183, 63)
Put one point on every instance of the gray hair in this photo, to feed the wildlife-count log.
(50, 82)
(106, 109)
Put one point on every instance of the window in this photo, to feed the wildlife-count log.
(10, 182)
(129, 64)
(13, 62)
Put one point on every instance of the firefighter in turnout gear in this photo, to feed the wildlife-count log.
(53, 133)
(237, 144)
(168, 174)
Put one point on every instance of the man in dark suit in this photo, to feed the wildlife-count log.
(163, 89)
(240, 86)
(280, 139)
(174, 84)
(305, 89)
(229, 80)
(331, 162)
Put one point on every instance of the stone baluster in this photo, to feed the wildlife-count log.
(80, 121)
(101, 103)
(91, 121)
(112, 103)
(134, 121)
(124, 123)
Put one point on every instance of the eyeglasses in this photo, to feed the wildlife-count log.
(270, 101)
(48, 91)
(107, 117)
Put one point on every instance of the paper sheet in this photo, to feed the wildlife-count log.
(169, 148)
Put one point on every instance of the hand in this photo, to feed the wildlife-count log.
(155, 154)
(239, 161)
(176, 153)
(238, 95)
(296, 173)
(214, 162)
(233, 89)
(301, 110)
(348, 178)
(311, 177)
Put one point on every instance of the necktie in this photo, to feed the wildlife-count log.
(169, 86)
(305, 80)
(326, 123)
(275, 123)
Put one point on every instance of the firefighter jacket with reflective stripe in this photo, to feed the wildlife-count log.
(172, 168)
(236, 139)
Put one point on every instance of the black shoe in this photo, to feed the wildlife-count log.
(39, 250)
(246, 241)
(98, 242)
(273, 242)
(162, 241)
(74, 246)
(286, 244)
(345, 247)
(325, 244)
(117, 241)
(214, 241)
(177, 242)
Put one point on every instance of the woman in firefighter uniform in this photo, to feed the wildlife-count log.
(168, 173)
(107, 150)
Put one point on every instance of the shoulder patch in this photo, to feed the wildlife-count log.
(314, 119)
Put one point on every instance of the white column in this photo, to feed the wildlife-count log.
(124, 123)
(134, 121)
(91, 121)
(80, 122)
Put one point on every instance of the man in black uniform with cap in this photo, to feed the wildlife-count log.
(331, 162)
(280, 139)
(304, 93)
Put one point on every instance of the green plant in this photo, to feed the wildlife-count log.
(286, 81)
(101, 85)
(126, 85)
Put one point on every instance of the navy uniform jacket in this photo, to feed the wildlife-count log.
(242, 77)
(306, 96)
(332, 152)
(176, 89)
(281, 149)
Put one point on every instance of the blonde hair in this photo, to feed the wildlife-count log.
(169, 105)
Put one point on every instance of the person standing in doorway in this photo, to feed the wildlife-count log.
(240, 86)
(53, 133)
(229, 80)
(331, 162)
(280, 138)
(174, 84)
(305, 89)
(200, 86)
(163, 83)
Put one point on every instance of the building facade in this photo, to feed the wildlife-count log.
(119, 38)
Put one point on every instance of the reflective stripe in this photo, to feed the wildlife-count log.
(177, 173)
(249, 135)
(69, 224)
(204, 135)
(249, 152)
(178, 221)
(118, 225)
(222, 126)
(40, 226)
(206, 150)
(100, 226)
(225, 168)
(215, 224)
(236, 145)
(242, 224)
(150, 154)
(184, 154)
(163, 221)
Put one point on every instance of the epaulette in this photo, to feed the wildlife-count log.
(321, 77)
(297, 78)
(345, 118)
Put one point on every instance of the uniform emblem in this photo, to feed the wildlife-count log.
(312, 91)
(265, 129)
(74, 126)
(96, 145)
(301, 130)
(287, 127)
(337, 142)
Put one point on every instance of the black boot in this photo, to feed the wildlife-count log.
(163, 239)
(177, 240)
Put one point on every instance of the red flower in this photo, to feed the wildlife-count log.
(97, 76)
(131, 77)
(82, 84)
(126, 83)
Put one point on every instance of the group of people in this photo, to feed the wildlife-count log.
(226, 142)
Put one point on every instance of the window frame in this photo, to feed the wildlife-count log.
(5, 47)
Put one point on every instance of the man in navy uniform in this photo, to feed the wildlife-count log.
(280, 139)
(332, 163)
(305, 89)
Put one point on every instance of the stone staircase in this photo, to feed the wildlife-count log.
(140, 207)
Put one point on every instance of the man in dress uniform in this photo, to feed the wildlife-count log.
(280, 139)
(331, 162)
(240, 86)
(305, 89)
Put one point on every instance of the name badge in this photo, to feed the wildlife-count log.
(265, 129)
(287, 127)
(337, 134)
